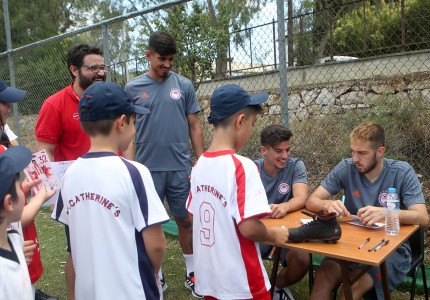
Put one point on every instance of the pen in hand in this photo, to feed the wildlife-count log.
(364, 243)
(343, 202)
(376, 245)
(382, 245)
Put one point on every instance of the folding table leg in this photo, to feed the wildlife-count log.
(276, 258)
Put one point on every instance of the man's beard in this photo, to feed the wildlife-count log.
(370, 168)
(85, 82)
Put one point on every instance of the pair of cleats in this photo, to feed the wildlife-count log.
(189, 284)
(323, 228)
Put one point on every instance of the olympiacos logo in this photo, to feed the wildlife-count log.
(382, 198)
(283, 188)
(175, 94)
(76, 116)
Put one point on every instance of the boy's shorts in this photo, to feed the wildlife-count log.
(398, 265)
(175, 187)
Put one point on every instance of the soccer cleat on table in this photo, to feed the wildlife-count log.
(283, 294)
(323, 228)
(189, 284)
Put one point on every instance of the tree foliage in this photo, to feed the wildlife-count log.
(202, 29)
(376, 29)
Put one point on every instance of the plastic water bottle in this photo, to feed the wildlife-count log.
(392, 225)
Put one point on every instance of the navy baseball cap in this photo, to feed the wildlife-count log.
(106, 101)
(10, 94)
(229, 99)
(12, 161)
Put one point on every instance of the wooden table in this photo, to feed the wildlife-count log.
(346, 248)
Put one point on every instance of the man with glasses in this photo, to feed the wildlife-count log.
(58, 129)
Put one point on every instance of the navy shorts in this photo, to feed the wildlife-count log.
(66, 229)
(174, 186)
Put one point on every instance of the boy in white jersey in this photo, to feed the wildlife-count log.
(226, 200)
(110, 205)
(14, 277)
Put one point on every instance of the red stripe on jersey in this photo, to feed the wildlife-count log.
(190, 198)
(254, 273)
(241, 182)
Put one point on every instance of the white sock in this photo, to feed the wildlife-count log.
(276, 296)
(189, 263)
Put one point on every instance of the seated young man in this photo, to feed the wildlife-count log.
(365, 179)
(286, 183)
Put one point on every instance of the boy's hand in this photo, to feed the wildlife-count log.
(27, 185)
(29, 247)
(42, 195)
(280, 236)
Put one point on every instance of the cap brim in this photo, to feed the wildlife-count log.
(141, 110)
(12, 161)
(259, 98)
(12, 95)
(20, 156)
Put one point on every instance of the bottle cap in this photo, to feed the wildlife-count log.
(391, 190)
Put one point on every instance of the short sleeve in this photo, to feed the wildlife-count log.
(10, 134)
(333, 182)
(48, 126)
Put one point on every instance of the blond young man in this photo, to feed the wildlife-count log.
(365, 179)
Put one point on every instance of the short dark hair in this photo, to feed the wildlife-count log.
(13, 193)
(274, 134)
(102, 127)
(247, 111)
(162, 43)
(76, 53)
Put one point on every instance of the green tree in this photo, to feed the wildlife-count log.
(376, 29)
(191, 30)
(202, 29)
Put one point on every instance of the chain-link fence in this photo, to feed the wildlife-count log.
(346, 63)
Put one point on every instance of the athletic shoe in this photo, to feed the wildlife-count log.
(189, 284)
(283, 294)
(163, 283)
(39, 295)
(323, 228)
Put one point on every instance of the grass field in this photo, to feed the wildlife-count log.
(53, 250)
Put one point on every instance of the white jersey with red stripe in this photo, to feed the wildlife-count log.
(226, 190)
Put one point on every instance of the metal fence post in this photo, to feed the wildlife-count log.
(283, 88)
(106, 51)
(11, 66)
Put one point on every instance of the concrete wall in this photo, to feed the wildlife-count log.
(317, 89)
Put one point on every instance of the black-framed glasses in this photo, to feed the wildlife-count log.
(96, 68)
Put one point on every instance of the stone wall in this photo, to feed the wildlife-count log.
(336, 87)
(321, 99)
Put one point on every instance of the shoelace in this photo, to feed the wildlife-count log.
(313, 216)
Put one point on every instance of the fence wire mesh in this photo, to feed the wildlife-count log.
(347, 62)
